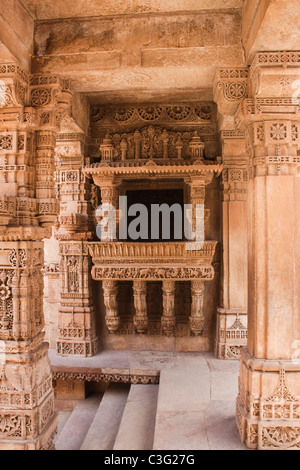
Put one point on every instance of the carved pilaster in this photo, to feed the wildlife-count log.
(228, 343)
(48, 206)
(196, 198)
(232, 333)
(77, 199)
(168, 320)
(140, 319)
(50, 98)
(28, 206)
(76, 320)
(26, 395)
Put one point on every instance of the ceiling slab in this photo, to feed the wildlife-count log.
(170, 52)
(270, 25)
(54, 9)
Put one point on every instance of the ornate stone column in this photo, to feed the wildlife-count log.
(76, 319)
(268, 405)
(230, 88)
(78, 199)
(197, 198)
(197, 314)
(140, 319)
(232, 319)
(168, 320)
(27, 141)
(196, 187)
(109, 195)
(112, 318)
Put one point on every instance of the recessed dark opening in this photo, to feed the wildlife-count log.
(170, 226)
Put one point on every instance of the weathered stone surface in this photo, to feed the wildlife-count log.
(62, 10)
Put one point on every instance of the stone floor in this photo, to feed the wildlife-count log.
(194, 403)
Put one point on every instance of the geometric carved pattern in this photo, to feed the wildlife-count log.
(281, 393)
(267, 423)
(231, 334)
(111, 377)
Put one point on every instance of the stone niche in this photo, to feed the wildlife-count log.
(156, 294)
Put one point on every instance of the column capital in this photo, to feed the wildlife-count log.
(273, 147)
(274, 73)
(78, 196)
(230, 87)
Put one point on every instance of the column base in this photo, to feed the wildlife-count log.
(140, 324)
(45, 441)
(77, 348)
(112, 323)
(76, 334)
(196, 325)
(27, 416)
(232, 333)
(268, 404)
(168, 325)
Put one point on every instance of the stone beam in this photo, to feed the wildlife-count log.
(169, 51)
(270, 25)
(58, 9)
(16, 33)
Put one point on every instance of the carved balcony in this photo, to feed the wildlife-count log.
(152, 261)
(143, 262)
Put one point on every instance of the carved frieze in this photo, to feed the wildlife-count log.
(127, 126)
(152, 273)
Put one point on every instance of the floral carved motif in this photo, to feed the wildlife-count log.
(10, 426)
(131, 273)
(6, 142)
(40, 97)
(281, 437)
(235, 91)
(6, 302)
(278, 131)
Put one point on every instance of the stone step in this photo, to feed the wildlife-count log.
(184, 395)
(63, 417)
(136, 430)
(106, 423)
(74, 431)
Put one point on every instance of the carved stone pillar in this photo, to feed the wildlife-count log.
(268, 405)
(232, 320)
(74, 188)
(76, 319)
(112, 318)
(140, 319)
(27, 141)
(168, 320)
(196, 197)
(197, 314)
(109, 195)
